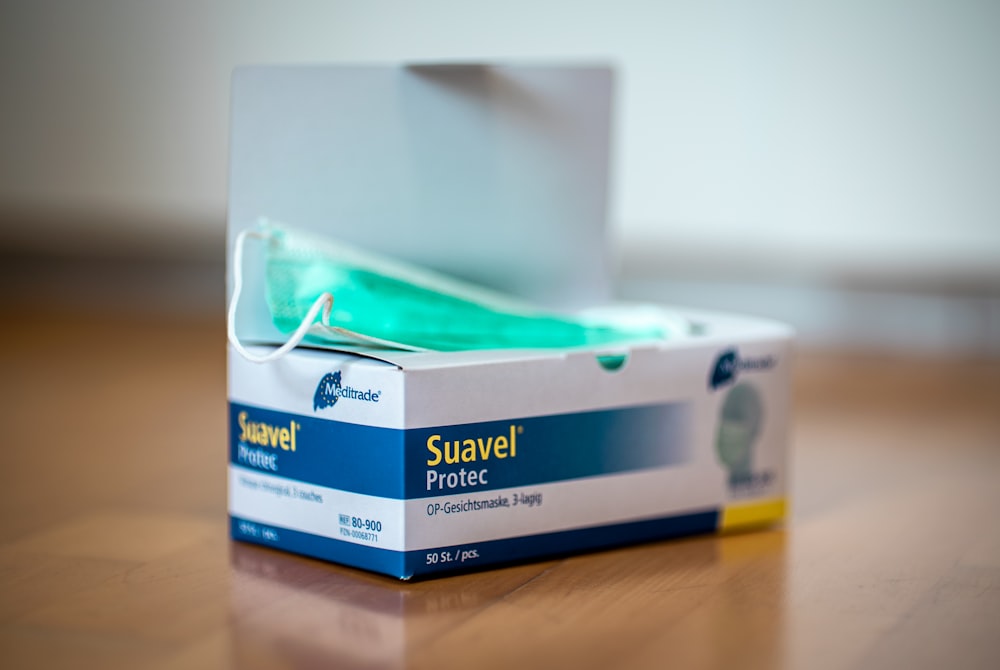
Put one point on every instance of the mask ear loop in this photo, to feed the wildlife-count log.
(324, 303)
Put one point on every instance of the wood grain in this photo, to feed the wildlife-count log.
(114, 550)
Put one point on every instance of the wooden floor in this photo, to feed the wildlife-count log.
(114, 550)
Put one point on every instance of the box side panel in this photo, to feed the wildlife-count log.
(308, 472)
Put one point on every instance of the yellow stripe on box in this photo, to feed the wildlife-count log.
(750, 515)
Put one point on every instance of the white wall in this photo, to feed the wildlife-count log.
(794, 140)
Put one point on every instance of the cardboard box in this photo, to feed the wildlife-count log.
(422, 463)
(413, 463)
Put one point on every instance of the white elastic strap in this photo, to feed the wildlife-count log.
(323, 304)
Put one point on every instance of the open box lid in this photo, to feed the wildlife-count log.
(493, 173)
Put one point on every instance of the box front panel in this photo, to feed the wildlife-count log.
(418, 488)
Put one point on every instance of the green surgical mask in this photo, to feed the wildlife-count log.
(324, 292)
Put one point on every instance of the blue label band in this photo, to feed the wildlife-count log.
(445, 460)
(478, 554)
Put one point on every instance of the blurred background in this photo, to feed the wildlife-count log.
(834, 164)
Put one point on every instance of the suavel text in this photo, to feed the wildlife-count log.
(264, 437)
(465, 450)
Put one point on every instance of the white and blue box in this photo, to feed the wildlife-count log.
(417, 463)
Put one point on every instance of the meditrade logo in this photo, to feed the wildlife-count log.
(729, 364)
(331, 389)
